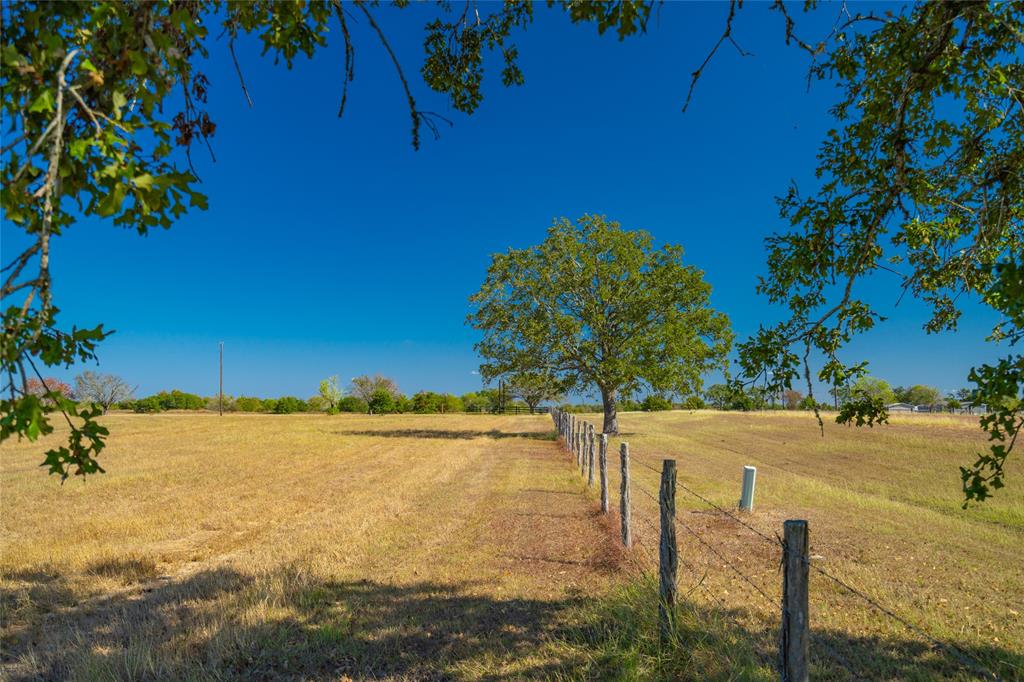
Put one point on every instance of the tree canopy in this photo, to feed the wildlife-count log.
(599, 308)
(919, 180)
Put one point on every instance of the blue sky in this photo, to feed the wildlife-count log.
(331, 247)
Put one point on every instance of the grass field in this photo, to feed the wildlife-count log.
(466, 547)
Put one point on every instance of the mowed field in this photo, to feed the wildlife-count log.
(468, 547)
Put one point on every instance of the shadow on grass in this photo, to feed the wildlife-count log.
(710, 643)
(219, 624)
(448, 434)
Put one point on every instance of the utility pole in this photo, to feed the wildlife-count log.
(220, 401)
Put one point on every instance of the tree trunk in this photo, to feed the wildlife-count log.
(611, 416)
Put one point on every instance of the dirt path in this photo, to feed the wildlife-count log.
(412, 547)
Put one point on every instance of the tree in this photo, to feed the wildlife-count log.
(476, 402)
(918, 180)
(102, 389)
(718, 396)
(533, 388)
(792, 398)
(330, 393)
(41, 388)
(923, 395)
(808, 403)
(289, 404)
(873, 389)
(382, 401)
(694, 402)
(599, 307)
(655, 403)
(351, 403)
(371, 389)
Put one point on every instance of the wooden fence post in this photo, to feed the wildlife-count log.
(668, 557)
(602, 464)
(591, 445)
(579, 445)
(795, 640)
(624, 510)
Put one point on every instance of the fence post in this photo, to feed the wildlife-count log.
(795, 624)
(591, 444)
(747, 491)
(624, 511)
(602, 463)
(576, 441)
(668, 557)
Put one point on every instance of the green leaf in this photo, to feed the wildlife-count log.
(44, 102)
(111, 203)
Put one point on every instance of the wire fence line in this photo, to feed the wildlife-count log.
(578, 437)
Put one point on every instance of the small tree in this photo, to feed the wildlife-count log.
(368, 388)
(920, 394)
(655, 403)
(872, 388)
(599, 307)
(46, 388)
(382, 401)
(330, 393)
(533, 388)
(791, 398)
(102, 389)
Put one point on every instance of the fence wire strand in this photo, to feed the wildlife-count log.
(961, 656)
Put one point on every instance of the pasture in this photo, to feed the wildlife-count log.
(468, 547)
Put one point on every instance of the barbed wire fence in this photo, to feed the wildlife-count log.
(795, 634)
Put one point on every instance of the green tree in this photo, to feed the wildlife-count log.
(248, 404)
(533, 388)
(368, 389)
(289, 404)
(920, 394)
(330, 393)
(351, 403)
(873, 388)
(476, 402)
(655, 403)
(718, 396)
(694, 402)
(919, 179)
(599, 307)
(382, 401)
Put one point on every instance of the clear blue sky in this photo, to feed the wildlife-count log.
(331, 247)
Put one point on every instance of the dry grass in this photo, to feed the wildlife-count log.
(304, 546)
(884, 509)
(437, 547)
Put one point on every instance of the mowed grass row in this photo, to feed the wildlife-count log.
(299, 546)
(466, 546)
(884, 511)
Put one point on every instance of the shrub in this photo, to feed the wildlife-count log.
(476, 402)
(152, 404)
(289, 404)
(269, 405)
(655, 403)
(694, 402)
(402, 404)
(382, 401)
(351, 403)
(248, 404)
